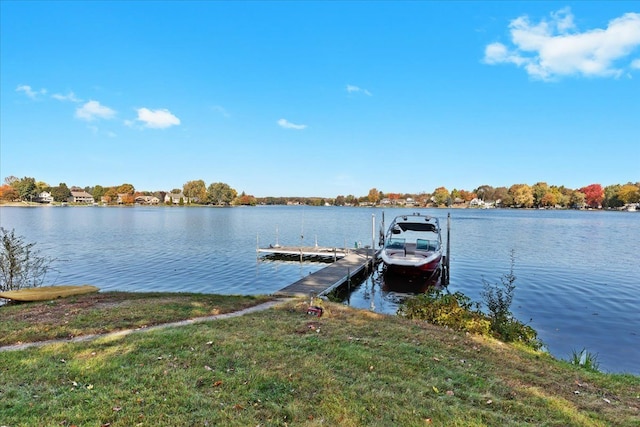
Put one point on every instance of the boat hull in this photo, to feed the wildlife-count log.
(406, 268)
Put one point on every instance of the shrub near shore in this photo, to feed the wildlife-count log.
(283, 367)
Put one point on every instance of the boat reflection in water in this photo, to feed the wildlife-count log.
(415, 284)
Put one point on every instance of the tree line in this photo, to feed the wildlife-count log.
(539, 195)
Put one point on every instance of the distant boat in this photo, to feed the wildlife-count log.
(412, 246)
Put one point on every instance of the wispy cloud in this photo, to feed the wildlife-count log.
(33, 94)
(93, 110)
(635, 64)
(220, 110)
(553, 48)
(157, 119)
(356, 89)
(68, 97)
(283, 123)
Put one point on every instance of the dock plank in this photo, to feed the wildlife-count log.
(326, 279)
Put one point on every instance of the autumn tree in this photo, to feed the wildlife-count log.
(374, 196)
(441, 196)
(126, 189)
(8, 193)
(467, 196)
(485, 192)
(127, 198)
(195, 191)
(594, 195)
(629, 193)
(245, 200)
(220, 193)
(539, 191)
(522, 195)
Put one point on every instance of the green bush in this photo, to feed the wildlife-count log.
(455, 311)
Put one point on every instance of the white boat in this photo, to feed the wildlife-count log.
(412, 246)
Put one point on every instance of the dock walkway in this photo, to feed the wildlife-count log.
(335, 274)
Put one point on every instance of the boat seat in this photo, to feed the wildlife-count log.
(410, 248)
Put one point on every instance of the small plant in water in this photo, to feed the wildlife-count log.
(498, 297)
(585, 359)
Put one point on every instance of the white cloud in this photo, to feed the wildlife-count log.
(93, 110)
(157, 119)
(554, 48)
(288, 125)
(635, 64)
(356, 89)
(33, 94)
(68, 97)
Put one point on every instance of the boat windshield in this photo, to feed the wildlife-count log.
(395, 244)
(427, 245)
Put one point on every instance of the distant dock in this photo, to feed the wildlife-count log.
(305, 251)
(347, 264)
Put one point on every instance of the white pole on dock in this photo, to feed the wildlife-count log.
(373, 235)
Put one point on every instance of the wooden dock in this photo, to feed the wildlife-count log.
(304, 251)
(332, 276)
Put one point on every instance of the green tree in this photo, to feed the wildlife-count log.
(611, 199)
(577, 199)
(195, 191)
(98, 192)
(220, 193)
(61, 193)
(25, 187)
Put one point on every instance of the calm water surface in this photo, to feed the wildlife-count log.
(578, 273)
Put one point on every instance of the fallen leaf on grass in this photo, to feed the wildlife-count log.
(116, 409)
(217, 383)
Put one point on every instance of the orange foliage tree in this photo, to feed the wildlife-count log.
(594, 195)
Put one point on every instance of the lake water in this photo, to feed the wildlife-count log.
(578, 272)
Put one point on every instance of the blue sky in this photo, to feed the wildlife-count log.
(320, 98)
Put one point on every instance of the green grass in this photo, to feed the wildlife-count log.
(108, 312)
(283, 367)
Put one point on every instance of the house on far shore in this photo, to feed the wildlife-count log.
(81, 197)
(43, 197)
(174, 198)
(147, 200)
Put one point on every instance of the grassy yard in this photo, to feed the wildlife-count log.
(284, 367)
